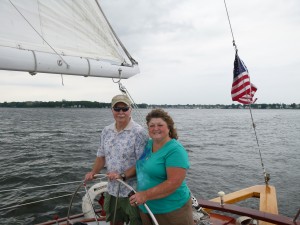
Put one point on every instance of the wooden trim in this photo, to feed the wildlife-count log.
(255, 214)
(266, 194)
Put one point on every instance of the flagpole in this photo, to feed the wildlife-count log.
(266, 175)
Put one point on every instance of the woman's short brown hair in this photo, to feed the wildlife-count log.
(159, 113)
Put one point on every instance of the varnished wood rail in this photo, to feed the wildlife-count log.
(268, 209)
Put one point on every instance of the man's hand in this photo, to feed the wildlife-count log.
(113, 176)
(89, 176)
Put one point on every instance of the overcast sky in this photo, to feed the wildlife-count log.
(185, 54)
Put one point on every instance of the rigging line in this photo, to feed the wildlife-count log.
(48, 185)
(233, 41)
(141, 121)
(68, 66)
(123, 89)
(30, 203)
(266, 175)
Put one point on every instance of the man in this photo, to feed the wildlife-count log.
(121, 144)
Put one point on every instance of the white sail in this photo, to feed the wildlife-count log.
(62, 37)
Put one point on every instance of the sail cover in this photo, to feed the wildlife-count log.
(64, 30)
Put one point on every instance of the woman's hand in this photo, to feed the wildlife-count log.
(138, 198)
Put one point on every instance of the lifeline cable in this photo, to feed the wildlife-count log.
(34, 202)
(48, 185)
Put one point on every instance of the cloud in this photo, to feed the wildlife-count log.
(185, 52)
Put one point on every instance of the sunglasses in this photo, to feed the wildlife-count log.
(118, 109)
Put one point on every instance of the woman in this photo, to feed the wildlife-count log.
(161, 172)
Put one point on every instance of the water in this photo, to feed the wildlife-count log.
(47, 146)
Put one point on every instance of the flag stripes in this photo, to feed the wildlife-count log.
(242, 89)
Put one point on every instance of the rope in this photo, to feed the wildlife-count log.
(266, 175)
(233, 41)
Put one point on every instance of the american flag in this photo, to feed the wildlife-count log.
(242, 90)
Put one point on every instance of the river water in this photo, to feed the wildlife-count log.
(49, 146)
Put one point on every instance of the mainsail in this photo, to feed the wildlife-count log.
(62, 37)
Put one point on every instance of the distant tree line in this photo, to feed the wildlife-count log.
(56, 104)
(89, 104)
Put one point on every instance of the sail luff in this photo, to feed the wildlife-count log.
(116, 36)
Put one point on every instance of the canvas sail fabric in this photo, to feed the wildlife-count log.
(70, 28)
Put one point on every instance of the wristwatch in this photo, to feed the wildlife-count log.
(123, 176)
